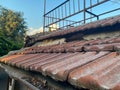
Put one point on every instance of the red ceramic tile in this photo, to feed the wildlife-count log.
(87, 76)
(43, 68)
(63, 67)
(9, 57)
(22, 58)
(102, 47)
(76, 62)
(36, 61)
(117, 87)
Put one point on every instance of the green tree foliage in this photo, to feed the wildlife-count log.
(12, 30)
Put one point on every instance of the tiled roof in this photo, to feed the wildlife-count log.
(108, 22)
(92, 64)
(108, 44)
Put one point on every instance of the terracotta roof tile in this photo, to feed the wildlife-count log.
(9, 57)
(61, 72)
(87, 76)
(104, 79)
(102, 47)
(92, 64)
(108, 44)
(117, 87)
(83, 69)
(43, 67)
(40, 60)
(26, 63)
(22, 58)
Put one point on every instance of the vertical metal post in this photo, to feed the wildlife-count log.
(65, 10)
(79, 5)
(84, 11)
(97, 17)
(56, 15)
(69, 8)
(62, 12)
(59, 12)
(63, 24)
(74, 6)
(13, 84)
(52, 16)
(90, 10)
(44, 16)
(97, 1)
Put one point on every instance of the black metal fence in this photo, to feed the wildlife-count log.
(72, 13)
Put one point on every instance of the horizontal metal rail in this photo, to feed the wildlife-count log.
(109, 11)
(80, 11)
(61, 15)
(57, 7)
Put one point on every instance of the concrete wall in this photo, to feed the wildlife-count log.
(50, 42)
(102, 35)
(79, 36)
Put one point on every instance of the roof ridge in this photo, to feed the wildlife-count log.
(96, 24)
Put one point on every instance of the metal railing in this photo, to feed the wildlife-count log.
(72, 13)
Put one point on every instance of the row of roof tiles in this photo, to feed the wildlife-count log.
(92, 70)
(108, 44)
(92, 64)
(97, 24)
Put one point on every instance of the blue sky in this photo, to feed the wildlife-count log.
(33, 9)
